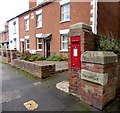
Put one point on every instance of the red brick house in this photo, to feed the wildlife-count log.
(43, 28)
(4, 38)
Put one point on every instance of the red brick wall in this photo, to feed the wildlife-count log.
(108, 18)
(80, 12)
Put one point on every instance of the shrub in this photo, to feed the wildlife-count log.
(24, 58)
(55, 58)
(29, 57)
(40, 58)
(26, 53)
(65, 57)
(108, 44)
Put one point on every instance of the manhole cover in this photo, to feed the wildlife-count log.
(30, 105)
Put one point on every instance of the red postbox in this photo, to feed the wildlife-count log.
(75, 52)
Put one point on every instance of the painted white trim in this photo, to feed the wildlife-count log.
(64, 31)
(26, 17)
(22, 39)
(26, 37)
(63, 21)
(38, 35)
(62, 2)
(91, 11)
(38, 12)
(93, 19)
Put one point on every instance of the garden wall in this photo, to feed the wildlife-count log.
(41, 71)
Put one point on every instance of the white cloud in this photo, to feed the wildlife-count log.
(10, 9)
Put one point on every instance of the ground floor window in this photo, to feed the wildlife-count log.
(39, 44)
(64, 42)
(27, 44)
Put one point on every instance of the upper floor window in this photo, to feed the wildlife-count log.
(26, 22)
(65, 12)
(39, 20)
(14, 27)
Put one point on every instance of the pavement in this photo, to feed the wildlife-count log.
(18, 88)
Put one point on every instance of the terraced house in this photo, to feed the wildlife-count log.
(4, 40)
(43, 29)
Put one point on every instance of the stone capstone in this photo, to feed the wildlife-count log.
(99, 57)
(94, 77)
(80, 26)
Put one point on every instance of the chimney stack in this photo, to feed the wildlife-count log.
(32, 3)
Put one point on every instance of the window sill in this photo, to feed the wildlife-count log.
(26, 30)
(63, 21)
(27, 49)
(64, 51)
(38, 27)
(39, 50)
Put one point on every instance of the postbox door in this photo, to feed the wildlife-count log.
(75, 52)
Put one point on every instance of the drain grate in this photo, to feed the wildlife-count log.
(31, 105)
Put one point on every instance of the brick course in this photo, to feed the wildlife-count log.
(35, 69)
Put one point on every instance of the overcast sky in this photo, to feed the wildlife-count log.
(10, 9)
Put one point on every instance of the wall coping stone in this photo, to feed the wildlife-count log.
(95, 77)
(80, 26)
(99, 57)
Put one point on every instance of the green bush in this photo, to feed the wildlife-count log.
(40, 58)
(108, 44)
(29, 57)
(55, 58)
(24, 58)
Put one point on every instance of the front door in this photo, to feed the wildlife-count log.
(47, 48)
(22, 46)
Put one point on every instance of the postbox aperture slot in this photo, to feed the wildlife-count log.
(75, 41)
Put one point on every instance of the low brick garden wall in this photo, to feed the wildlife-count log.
(4, 59)
(40, 70)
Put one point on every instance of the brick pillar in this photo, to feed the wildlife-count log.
(98, 78)
(8, 55)
(84, 32)
(13, 54)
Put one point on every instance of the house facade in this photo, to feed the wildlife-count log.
(43, 29)
(4, 38)
(14, 34)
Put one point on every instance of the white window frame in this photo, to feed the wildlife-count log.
(27, 44)
(38, 13)
(63, 13)
(27, 38)
(62, 49)
(26, 18)
(63, 32)
(38, 44)
(39, 21)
